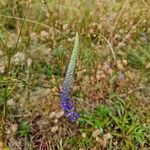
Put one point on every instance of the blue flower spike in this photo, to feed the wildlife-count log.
(65, 92)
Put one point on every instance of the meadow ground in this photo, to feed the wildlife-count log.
(111, 89)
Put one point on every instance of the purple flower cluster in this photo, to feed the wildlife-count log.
(65, 92)
(66, 103)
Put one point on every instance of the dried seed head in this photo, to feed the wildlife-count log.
(59, 114)
(99, 72)
(96, 133)
(107, 136)
(98, 77)
(56, 121)
(30, 1)
(14, 127)
(118, 61)
(110, 71)
(29, 62)
(92, 79)
(103, 76)
(52, 114)
(10, 102)
(98, 139)
(65, 26)
(2, 69)
(99, 66)
(120, 66)
(124, 61)
(19, 57)
(84, 135)
(54, 129)
(147, 66)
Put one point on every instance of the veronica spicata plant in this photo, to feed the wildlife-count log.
(65, 92)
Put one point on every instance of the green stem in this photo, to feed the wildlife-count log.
(14, 49)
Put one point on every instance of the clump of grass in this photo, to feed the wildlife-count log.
(119, 121)
(7, 86)
(24, 129)
(139, 57)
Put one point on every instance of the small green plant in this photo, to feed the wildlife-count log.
(77, 142)
(122, 123)
(59, 54)
(24, 128)
(88, 56)
(98, 119)
(7, 86)
(126, 127)
(139, 56)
